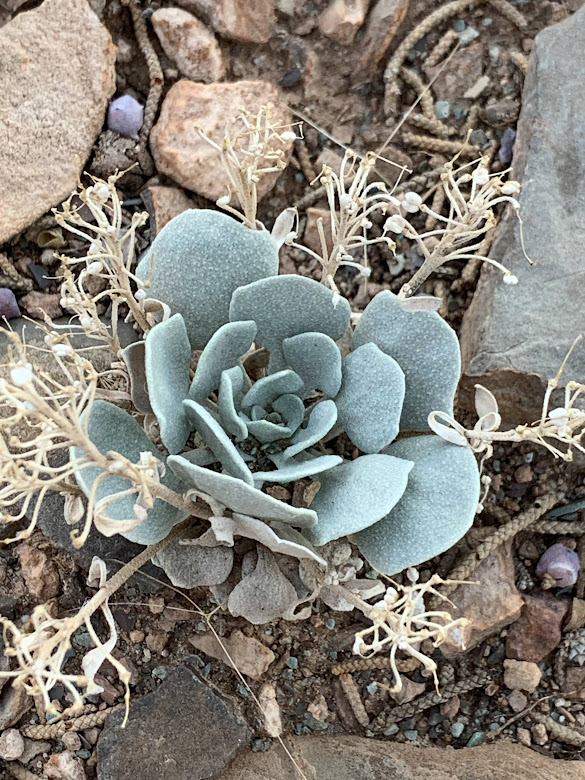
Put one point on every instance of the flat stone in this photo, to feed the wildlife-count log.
(510, 342)
(14, 702)
(164, 203)
(521, 675)
(249, 656)
(538, 630)
(181, 153)
(489, 606)
(184, 730)
(248, 21)
(189, 43)
(341, 20)
(359, 758)
(57, 75)
(382, 24)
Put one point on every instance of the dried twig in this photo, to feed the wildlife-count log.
(426, 99)
(10, 277)
(559, 527)
(510, 13)
(432, 125)
(305, 161)
(559, 731)
(404, 665)
(441, 48)
(56, 730)
(427, 143)
(353, 696)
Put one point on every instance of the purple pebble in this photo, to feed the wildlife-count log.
(125, 116)
(8, 306)
(561, 564)
(506, 151)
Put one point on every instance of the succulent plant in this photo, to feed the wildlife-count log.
(402, 502)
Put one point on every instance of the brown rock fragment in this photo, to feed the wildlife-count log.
(248, 21)
(382, 25)
(249, 656)
(521, 675)
(342, 19)
(189, 43)
(538, 630)
(38, 304)
(164, 203)
(462, 72)
(39, 572)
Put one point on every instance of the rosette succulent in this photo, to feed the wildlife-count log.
(284, 390)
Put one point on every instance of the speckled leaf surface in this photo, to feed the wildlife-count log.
(294, 470)
(316, 359)
(285, 306)
(111, 428)
(222, 352)
(436, 510)
(370, 401)
(167, 361)
(322, 418)
(197, 261)
(425, 348)
(217, 440)
(230, 395)
(356, 495)
(238, 495)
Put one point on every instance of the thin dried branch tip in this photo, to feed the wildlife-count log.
(253, 145)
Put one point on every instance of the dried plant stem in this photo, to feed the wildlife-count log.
(559, 527)
(559, 731)
(510, 13)
(10, 277)
(415, 81)
(427, 143)
(353, 696)
(404, 665)
(520, 61)
(432, 125)
(441, 48)
(56, 730)
(427, 700)
(305, 161)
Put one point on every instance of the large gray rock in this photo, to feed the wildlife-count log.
(515, 338)
(56, 77)
(356, 758)
(185, 730)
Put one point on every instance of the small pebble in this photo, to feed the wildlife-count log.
(125, 116)
(160, 672)
(411, 735)
(539, 734)
(292, 662)
(11, 745)
(442, 109)
(391, 730)
(8, 305)
(476, 739)
(523, 736)
(468, 35)
(71, 740)
(84, 754)
(330, 624)
(372, 688)
(487, 22)
(457, 729)
(459, 25)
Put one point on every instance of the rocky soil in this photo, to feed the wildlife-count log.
(517, 695)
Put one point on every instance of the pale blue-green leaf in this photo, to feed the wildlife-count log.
(266, 390)
(258, 413)
(294, 470)
(356, 495)
(316, 359)
(292, 410)
(436, 510)
(197, 261)
(371, 397)
(286, 306)
(134, 356)
(425, 348)
(231, 385)
(267, 432)
(111, 428)
(222, 352)
(217, 440)
(321, 419)
(239, 496)
(200, 456)
(167, 361)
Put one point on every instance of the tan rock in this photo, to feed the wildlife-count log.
(249, 656)
(342, 19)
(39, 572)
(521, 675)
(517, 700)
(182, 154)
(164, 203)
(37, 304)
(538, 630)
(490, 605)
(539, 734)
(575, 681)
(11, 745)
(64, 766)
(383, 22)
(410, 690)
(359, 758)
(248, 21)
(311, 235)
(57, 75)
(270, 710)
(189, 43)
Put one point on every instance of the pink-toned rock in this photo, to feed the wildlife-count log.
(463, 71)
(64, 766)
(56, 78)
(11, 745)
(249, 656)
(521, 675)
(575, 681)
(39, 572)
(382, 25)
(342, 19)
(517, 700)
(538, 630)
(37, 304)
(189, 43)
(164, 203)
(248, 21)
(181, 153)
(490, 605)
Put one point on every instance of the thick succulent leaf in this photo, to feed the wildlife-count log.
(269, 388)
(134, 357)
(217, 440)
(294, 470)
(222, 352)
(111, 428)
(425, 348)
(357, 494)
(267, 432)
(321, 419)
(197, 261)
(286, 306)
(200, 456)
(167, 360)
(316, 359)
(292, 410)
(436, 510)
(370, 401)
(238, 495)
(231, 387)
